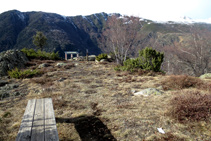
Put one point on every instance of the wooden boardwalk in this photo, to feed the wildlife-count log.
(38, 123)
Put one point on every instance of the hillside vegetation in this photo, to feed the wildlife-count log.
(92, 101)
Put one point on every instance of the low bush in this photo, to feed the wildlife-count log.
(101, 56)
(32, 54)
(18, 74)
(191, 107)
(149, 59)
(178, 82)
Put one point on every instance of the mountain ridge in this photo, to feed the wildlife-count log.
(79, 33)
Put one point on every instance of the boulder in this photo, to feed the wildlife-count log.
(206, 76)
(103, 60)
(44, 65)
(91, 57)
(109, 56)
(12, 59)
(75, 58)
(60, 64)
(148, 92)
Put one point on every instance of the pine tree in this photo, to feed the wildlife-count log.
(39, 40)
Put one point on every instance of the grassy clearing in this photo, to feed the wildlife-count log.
(97, 98)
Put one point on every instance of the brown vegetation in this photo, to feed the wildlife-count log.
(97, 98)
(190, 107)
(178, 82)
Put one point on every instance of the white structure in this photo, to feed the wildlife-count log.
(71, 54)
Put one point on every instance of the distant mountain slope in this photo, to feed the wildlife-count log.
(64, 33)
(79, 33)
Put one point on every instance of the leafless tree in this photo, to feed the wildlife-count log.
(193, 55)
(120, 35)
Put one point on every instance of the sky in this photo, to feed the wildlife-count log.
(159, 10)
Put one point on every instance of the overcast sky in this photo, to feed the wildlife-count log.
(150, 9)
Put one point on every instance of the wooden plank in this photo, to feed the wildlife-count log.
(24, 133)
(38, 130)
(50, 123)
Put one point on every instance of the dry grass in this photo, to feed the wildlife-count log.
(95, 98)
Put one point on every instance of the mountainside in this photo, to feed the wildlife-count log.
(64, 33)
(80, 33)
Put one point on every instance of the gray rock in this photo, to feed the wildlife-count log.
(60, 64)
(76, 58)
(148, 92)
(4, 94)
(3, 83)
(16, 93)
(76, 64)
(91, 57)
(9, 87)
(206, 76)
(13, 86)
(103, 60)
(44, 65)
(11, 59)
(109, 56)
(61, 79)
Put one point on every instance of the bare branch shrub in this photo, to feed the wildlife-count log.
(178, 82)
(191, 107)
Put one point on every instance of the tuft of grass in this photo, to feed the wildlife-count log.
(178, 82)
(192, 106)
(18, 74)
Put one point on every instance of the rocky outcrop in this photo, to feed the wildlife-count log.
(11, 59)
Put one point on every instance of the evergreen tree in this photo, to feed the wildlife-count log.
(39, 40)
(151, 59)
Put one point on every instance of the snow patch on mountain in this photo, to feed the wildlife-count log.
(73, 23)
(84, 17)
(96, 16)
(184, 20)
(65, 18)
(20, 15)
(104, 16)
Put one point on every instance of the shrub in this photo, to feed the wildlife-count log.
(178, 82)
(101, 56)
(32, 54)
(148, 59)
(16, 73)
(191, 107)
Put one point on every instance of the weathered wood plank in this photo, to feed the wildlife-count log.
(38, 130)
(24, 133)
(50, 123)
